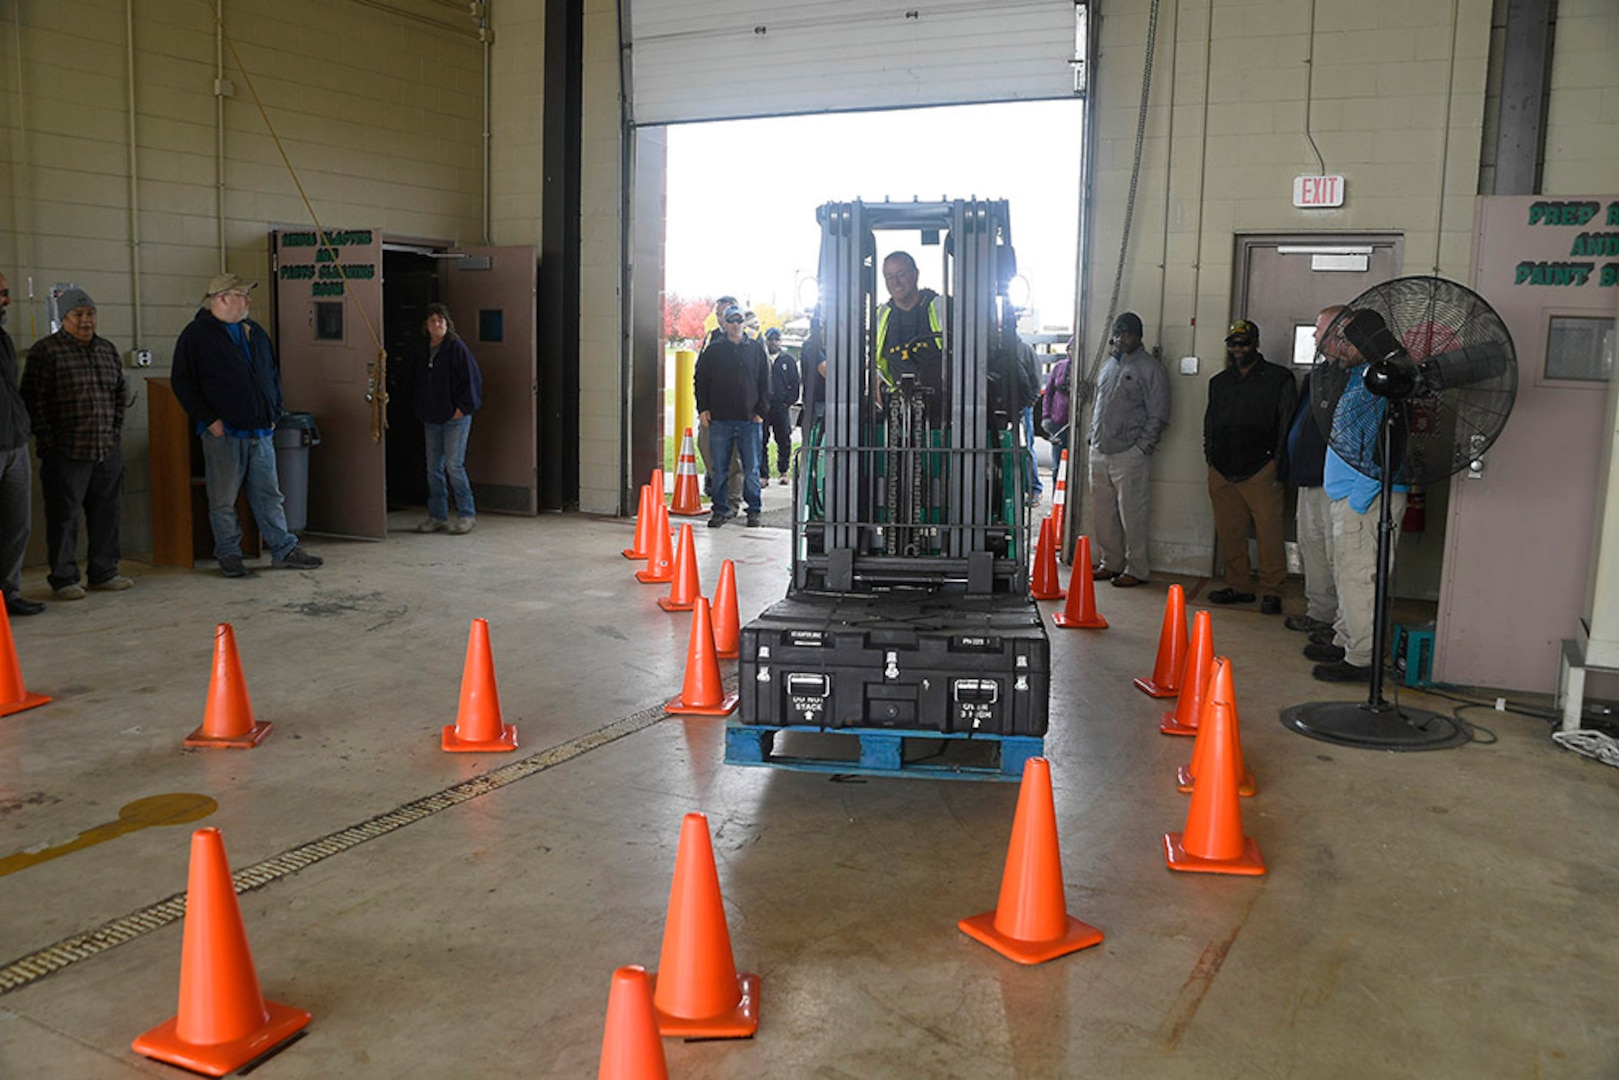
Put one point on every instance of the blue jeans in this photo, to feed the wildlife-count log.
(745, 436)
(230, 462)
(447, 452)
(1033, 470)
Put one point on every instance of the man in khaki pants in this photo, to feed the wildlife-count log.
(1244, 441)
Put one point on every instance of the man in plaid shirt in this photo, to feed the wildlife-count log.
(75, 391)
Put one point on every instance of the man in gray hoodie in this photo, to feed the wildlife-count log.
(1128, 417)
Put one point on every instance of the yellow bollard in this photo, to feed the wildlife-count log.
(685, 395)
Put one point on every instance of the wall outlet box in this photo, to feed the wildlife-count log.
(138, 358)
(1188, 365)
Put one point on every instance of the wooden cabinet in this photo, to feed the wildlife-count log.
(180, 531)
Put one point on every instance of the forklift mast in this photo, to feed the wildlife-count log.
(909, 606)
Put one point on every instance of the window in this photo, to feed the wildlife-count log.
(328, 320)
(492, 325)
(1579, 349)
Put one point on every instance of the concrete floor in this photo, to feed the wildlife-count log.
(1430, 915)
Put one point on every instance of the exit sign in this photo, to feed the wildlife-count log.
(1316, 192)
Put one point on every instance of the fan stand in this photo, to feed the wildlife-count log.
(1376, 724)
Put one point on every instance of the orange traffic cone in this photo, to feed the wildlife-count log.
(631, 1046)
(1219, 694)
(1188, 711)
(1031, 923)
(227, 720)
(688, 494)
(684, 588)
(697, 991)
(224, 1021)
(478, 727)
(645, 518)
(1046, 585)
(14, 696)
(1079, 613)
(660, 560)
(1166, 670)
(1213, 841)
(1059, 497)
(656, 484)
(727, 621)
(702, 694)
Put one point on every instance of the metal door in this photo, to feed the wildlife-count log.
(329, 322)
(1283, 281)
(1518, 543)
(491, 295)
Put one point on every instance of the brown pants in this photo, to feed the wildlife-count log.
(1258, 498)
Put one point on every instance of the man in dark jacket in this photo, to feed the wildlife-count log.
(16, 473)
(732, 381)
(73, 384)
(783, 396)
(1244, 439)
(227, 378)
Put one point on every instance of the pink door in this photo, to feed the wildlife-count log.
(1518, 541)
(329, 326)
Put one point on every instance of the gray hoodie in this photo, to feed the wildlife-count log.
(1132, 403)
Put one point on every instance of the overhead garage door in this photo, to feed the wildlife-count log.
(715, 60)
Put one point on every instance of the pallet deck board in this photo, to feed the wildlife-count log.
(882, 751)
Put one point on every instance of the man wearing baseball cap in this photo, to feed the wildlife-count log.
(1245, 430)
(227, 378)
(75, 390)
(1128, 417)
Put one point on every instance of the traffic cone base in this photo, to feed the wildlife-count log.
(1094, 622)
(725, 707)
(668, 604)
(1169, 725)
(27, 701)
(246, 741)
(1078, 936)
(1184, 782)
(455, 744)
(218, 1059)
(1152, 689)
(1249, 863)
(738, 1023)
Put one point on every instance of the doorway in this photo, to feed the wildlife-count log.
(410, 282)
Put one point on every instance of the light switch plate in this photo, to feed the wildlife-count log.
(1188, 365)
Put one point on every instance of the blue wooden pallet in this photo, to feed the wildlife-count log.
(881, 750)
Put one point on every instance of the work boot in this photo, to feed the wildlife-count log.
(717, 518)
(753, 519)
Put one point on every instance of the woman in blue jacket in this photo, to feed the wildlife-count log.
(449, 389)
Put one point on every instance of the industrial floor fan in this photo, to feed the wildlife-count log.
(1412, 383)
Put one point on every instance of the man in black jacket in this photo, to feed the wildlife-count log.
(732, 380)
(16, 473)
(227, 378)
(1244, 440)
(783, 396)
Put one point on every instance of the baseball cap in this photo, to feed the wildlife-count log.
(773, 332)
(732, 314)
(1242, 328)
(227, 282)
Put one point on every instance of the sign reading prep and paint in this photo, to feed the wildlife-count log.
(1582, 242)
(1318, 192)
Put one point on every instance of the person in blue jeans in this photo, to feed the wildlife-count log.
(732, 383)
(449, 389)
(226, 376)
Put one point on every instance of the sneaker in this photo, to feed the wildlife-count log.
(74, 591)
(1229, 595)
(233, 566)
(716, 519)
(753, 521)
(116, 583)
(1032, 500)
(1304, 624)
(297, 559)
(463, 525)
(782, 480)
(1342, 671)
(1326, 654)
(1270, 605)
(433, 525)
(21, 605)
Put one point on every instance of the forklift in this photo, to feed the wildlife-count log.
(908, 609)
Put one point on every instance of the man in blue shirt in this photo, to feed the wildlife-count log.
(1354, 498)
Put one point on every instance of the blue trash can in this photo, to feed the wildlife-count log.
(295, 433)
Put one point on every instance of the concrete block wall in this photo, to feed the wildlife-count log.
(1582, 152)
(603, 409)
(1396, 105)
(380, 114)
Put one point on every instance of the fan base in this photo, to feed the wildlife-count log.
(1388, 727)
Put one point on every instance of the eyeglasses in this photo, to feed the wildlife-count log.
(738, 319)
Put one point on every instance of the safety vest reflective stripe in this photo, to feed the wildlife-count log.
(882, 331)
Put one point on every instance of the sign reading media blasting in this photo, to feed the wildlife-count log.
(1581, 266)
(327, 273)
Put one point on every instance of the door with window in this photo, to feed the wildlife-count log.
(328, 330)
